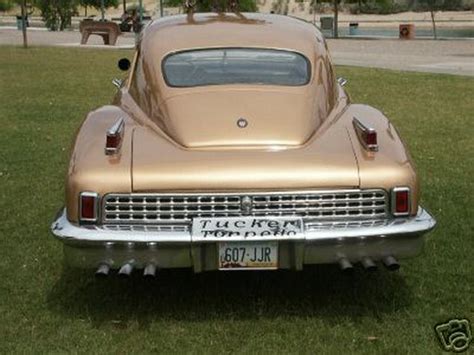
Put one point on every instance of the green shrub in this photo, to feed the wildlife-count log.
(438, 5)
(97, 3)
(5, 5)
(280, 7)
(135, 7)
(57, 14)
(381, 7)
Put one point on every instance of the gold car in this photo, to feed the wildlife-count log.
(232, 145)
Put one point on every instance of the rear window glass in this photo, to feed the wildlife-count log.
(236, 66)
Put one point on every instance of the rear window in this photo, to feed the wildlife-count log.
(236, 66)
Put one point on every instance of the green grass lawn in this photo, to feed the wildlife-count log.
(44, 307)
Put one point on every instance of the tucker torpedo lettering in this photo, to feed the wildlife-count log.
(249, 228)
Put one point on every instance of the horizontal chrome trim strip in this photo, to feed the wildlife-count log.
(254, 193)
(315, 231)
(146, 227)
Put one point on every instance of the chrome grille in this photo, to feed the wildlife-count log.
(315, 226)
(146, 228)
(175, 208)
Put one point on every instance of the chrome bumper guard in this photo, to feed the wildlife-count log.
(322, 242)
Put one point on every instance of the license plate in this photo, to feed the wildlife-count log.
(245, 255)
(246, 228)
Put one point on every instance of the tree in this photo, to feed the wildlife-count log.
(335, 3)
(358, 2)
(96, 4)
(280, 7)
(382, 4)
(5, 5)
(336, 17)
(24, 23)
(437, 5)
(57, 14)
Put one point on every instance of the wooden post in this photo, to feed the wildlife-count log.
(23, 22)
(336, 15)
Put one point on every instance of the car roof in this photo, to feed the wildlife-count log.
(218, 30)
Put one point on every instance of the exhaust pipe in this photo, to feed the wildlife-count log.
(125, 270)
(150, 271)
(345, 265)
(391, 263)
(368, 264)
(102, 271)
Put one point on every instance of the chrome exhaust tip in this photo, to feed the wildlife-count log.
(102, 271)
(150, 271)
(391, 263)
(346, 265)
(126, 270)
(368, 264)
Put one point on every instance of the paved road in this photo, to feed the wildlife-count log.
(444, 56)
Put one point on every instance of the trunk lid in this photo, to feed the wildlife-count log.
(326, 162)
(247, 117)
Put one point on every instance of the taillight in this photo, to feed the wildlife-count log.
(401, 201)
(370, 137)
(88, 202)
(113, 139)
(367, 135)
(112, 142)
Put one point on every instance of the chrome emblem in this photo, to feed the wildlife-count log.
(246, 205)
(242, 122)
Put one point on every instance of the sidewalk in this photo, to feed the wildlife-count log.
(43, 37)
(444, 56)
(448, 57)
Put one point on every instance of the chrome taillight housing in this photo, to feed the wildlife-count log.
(367, 135)
(401, 201)
(88, 207)
(113, 139)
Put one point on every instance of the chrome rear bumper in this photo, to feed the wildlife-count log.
(322, 242)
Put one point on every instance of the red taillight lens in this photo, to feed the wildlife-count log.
(367, 135)
(113, 141)
(88, 206)
(371, 138)
(113, 138)
(401, 203)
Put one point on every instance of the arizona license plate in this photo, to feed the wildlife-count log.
(248, 255)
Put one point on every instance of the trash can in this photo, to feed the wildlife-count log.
(327, 23)
(19, 22)
(353, 28)
(407, 31)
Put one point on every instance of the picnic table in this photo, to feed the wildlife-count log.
(109, 31)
